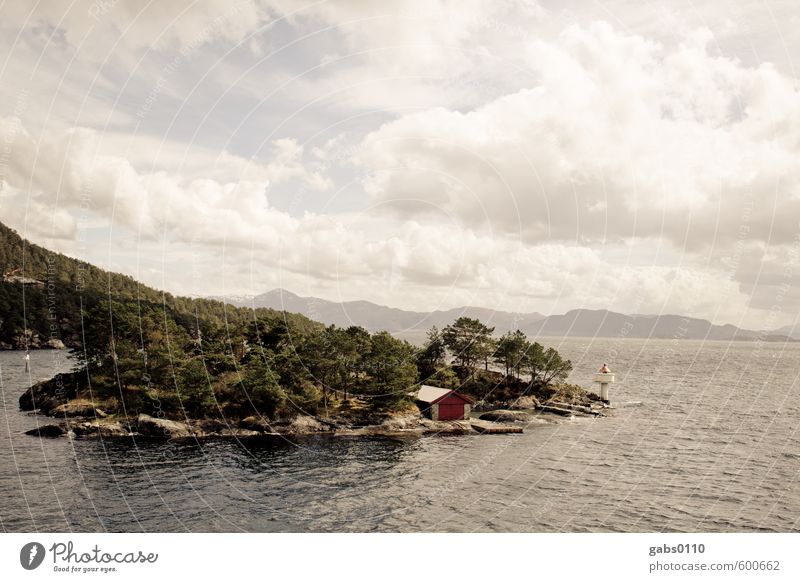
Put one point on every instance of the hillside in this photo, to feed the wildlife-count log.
(45, 293)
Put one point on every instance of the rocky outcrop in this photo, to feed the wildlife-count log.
(163, 428)
(77, 408)
(46, 396)
(48, 430)
(210, 426)
(54, 344)
(100, 429)
(27, 339)
(505, 416)
(84, 419)
(218, 428)
(239, 433)
(525, 402)
(446, 427)
(303, 425)
(256, 423)
(404, 422)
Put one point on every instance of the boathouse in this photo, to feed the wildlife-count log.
(443, 404)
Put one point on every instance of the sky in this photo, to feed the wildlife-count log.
(639, 156)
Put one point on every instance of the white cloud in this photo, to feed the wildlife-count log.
(515, 156)
(183, 24)
(621, 138)
(216, 200)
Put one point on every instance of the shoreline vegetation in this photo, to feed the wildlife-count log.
(156, 365)
(326, 381)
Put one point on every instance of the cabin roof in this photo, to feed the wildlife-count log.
(432, 394)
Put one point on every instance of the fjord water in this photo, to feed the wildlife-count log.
(713, 446)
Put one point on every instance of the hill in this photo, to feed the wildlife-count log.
(43, 294)
(575, 323)
(793, 331)
(602, 323)
(376, 317)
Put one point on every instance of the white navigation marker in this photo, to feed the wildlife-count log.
(604, 379)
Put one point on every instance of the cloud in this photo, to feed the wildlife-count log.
(620, 138)
(418, 154)
(181, 24)
(223, 199)
(223, 237)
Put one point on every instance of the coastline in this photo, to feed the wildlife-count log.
(65, 414)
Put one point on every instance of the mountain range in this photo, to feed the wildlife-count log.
(793, 331)
(413, 325)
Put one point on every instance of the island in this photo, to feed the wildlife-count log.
(151, 364)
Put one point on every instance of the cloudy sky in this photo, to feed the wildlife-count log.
(641, 156)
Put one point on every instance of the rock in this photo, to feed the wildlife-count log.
(47, 395)
(239, 433)
(505, 416)
(55, 344)
(97, 429)
(256, 423)
(209, 426)
(381, 430)
(404, 422)
(27, 340)
(163, 428)
(446, 427)
(47, 430)
(560, 410)
(83, 408)
(526, 402)
(303, 425)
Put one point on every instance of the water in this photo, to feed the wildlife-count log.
(712, 447)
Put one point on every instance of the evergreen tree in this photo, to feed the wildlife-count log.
(511, 351)
(432, 356)
(469, 341)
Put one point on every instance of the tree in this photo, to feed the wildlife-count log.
(432, 356)
(486, 347)
(555, 367)
(261, 387)
(469, 341)
(533, 360)
(511, 350)
(194, 389)
(391, 369)
(352, 346)
(318, 355)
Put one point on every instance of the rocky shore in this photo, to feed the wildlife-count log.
(31, 340)
(82, 419)
(70, 415)
(145, 426)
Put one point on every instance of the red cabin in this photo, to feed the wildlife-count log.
(443, 404)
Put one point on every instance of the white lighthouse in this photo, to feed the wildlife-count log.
(604, 377)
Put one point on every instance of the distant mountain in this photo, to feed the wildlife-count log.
(793, 331)
(576, 323)
(602, 323)
(379, 317)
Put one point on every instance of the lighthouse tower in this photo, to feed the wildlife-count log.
(604, 379)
